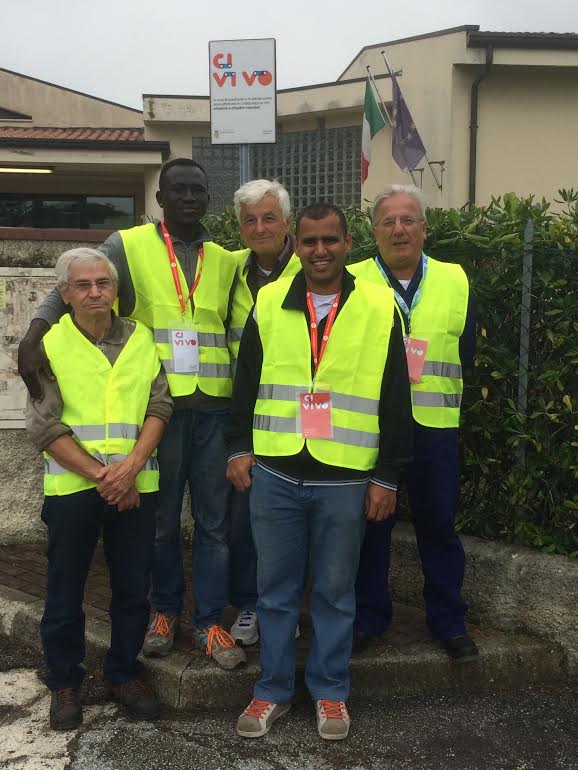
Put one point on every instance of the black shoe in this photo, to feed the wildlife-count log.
(139, 702)
(461, 648)
(65, 709)
(361, 641)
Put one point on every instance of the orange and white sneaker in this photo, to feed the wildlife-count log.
(221, 646)
(332, 719)
(160, 635)
(258, 717)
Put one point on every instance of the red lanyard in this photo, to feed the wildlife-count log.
(318, 354)
(175, 269)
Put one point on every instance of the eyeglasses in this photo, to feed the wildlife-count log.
(102, 284)
(404, 221)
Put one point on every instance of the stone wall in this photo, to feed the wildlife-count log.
(34, 253)
(508, 587)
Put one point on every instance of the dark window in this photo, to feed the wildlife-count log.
(84, 212)
(313, 165)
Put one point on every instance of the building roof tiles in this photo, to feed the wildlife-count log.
(73, 134)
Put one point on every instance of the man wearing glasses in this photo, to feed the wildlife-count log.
(439, 333)
(99, 424)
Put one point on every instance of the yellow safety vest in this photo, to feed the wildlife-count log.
(157, 306)
(351, 369)
(243, 299)
(103, 405)
(439, 317)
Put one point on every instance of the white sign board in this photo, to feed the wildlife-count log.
(243, 91)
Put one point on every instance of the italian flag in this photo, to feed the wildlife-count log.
(372, 123)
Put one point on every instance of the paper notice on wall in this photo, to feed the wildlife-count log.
(21, 291)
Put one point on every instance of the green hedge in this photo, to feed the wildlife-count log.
(535, 504)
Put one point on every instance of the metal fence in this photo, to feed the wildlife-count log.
(313, 165)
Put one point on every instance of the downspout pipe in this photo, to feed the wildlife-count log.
(474, 123)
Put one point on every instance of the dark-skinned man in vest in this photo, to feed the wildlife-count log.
(320, 425)
(263, 210)
(434, 301)
(176, 281)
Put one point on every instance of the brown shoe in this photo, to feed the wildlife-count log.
(65, 709)
(138, 700)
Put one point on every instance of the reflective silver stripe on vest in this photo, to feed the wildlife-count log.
(235, 333)
(152, 464)
(219, 371)
(123, 430)
(338, 400)
(213, 340)
(358, 438)
(442, 369)
(89, 432)
(55, 469)
(449, 400)
(98, 432)
(275, 424)
(206, 339)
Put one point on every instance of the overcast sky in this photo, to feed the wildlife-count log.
(120, 49)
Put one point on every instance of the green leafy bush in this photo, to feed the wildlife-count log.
(534, 503)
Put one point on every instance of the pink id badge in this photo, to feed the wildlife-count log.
(415, 351)
(315, 413)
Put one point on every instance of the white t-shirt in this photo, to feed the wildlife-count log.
(322, 303)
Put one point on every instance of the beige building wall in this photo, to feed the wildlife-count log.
(424, 71)
(51, 105)
(528, 132)
(528, 116)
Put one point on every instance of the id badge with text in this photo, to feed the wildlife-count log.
(185, 345)
(315, 414)
(415, 351)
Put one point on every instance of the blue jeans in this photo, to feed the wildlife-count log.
(74, 524)
(193, 450)
(433, 484)
(293, 523)
(243, 589)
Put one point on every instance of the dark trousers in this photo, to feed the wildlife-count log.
(432, 483)
(74, 524)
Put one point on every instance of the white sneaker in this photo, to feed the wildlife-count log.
(332, 719)
(245, 629)
(258, 717)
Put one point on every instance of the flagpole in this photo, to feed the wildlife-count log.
(387, 115)
(437, 181)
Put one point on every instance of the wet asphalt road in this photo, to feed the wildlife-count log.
(531, 729)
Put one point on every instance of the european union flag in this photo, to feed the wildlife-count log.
(406, 144)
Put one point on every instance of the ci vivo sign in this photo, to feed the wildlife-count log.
(242, 81)
(224, 61)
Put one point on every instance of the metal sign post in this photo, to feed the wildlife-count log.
(244, 163)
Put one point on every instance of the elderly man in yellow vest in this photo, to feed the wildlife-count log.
(320, 425)
(263, 209)
(99, 424)
(434, 301)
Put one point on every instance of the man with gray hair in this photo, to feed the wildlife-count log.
(263, 209)
(436, 306)
(98, 426)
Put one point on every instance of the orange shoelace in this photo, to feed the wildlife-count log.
(162, 624)
(257, 708)
(332, 709)
(218, 634)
